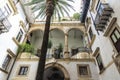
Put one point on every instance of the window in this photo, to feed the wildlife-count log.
(19, 36)
(6, 10)
(99, 61)
(83, 70)
(115, 37)
(6, 62)
(23, 70)
(90, 33)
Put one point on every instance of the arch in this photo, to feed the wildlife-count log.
(76, 29)
(34, 29)
(59, 66)
(57, 29)
(75, 40)
(35, 38)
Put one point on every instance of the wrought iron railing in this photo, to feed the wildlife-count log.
(103, 14)
(4, 23)
(80, 49)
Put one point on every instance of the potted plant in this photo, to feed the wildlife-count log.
(49, 47)
(25, 47)
(57, 53)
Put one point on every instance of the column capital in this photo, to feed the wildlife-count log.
(66, 34)
(66, 54)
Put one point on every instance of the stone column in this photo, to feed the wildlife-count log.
(66, 53)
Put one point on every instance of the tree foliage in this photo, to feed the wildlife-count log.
(50, 44)
(76, 16)
(61, 8)
(24, 47)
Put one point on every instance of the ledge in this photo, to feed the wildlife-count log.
(11, 53)
(96, 51)
(23, 26)
(62, 23)
(92, 41)
(110, 26)
(17, 43)
(3, 70)
(13, 6)
(102, 71)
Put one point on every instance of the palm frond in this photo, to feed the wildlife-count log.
(33, 2)
(61, 7)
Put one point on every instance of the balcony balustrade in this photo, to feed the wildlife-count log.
(103, 14)
(4, 23)
(80, 49)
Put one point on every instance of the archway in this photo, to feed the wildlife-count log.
(55, 71)
(36, 38)
(57, 38)
(75, 40)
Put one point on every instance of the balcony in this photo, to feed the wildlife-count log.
(83, 53)
(4, 23)
(75, 51)
(103, 14)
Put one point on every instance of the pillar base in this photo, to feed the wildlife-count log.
(66, 55)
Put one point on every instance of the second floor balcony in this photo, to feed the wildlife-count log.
(104, 12)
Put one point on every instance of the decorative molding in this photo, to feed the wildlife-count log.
(109, 64)
(17, 43)
(96, 51)
(23, 26)
(11, 53)
(110, 26)
(117, 62)
(3, 70)
(59, 24)
(13, 6)
(62, 60)
(61, 67)
(92, 41)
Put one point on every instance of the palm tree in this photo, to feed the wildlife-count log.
(46, 9)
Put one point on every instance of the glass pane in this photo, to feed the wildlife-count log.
(26, 69)
(83, 70)
(114, 38)
(22, 71)
(117, 34)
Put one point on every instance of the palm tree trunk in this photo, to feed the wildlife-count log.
(42, 60)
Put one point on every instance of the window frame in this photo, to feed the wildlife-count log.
(115, 36)
(6, 62)
(19, 35)
(100, 63)
(90, 33)
(6, 10)
(88, 70)
(22, 70)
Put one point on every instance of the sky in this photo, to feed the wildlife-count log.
(76, 6)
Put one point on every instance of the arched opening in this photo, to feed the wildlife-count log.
(57, 38)
(75, 40)
(55, 71)
(35, 38)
